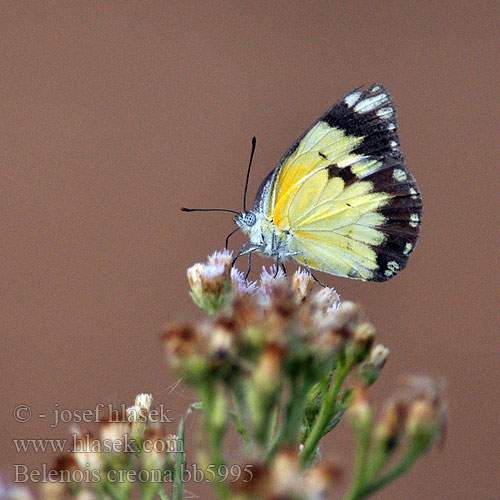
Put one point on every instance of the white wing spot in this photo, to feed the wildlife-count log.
(392, 268)
(370, 103)
(393, 144)
(413, 193)
(407, 249)
(375, 88)
(393, 265)
(414, 220)
(352, 99)
(399, 175)
(391, 126)
(384, 113)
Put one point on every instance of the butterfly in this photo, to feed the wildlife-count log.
(341, 199)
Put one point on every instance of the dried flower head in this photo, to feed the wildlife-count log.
(114, 430)
(271, 282)
(87, 450)
(301, 283)
(138, 413)
(389, 428)
(240, 285)
(210, 282)
(180, 342)
(285, 479)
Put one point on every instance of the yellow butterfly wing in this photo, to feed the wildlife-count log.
(344, 194)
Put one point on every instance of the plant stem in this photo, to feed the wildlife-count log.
(328, 406)
(178, 485)
(403, 466)
(296, 413)
(240, 413)
(380, 455)
(214, 435)
(363, 436)
(293, 419)
(162, 494)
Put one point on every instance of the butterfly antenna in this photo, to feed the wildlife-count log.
(184, 209)
(254, 142)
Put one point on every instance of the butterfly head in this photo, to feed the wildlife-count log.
(245, 221)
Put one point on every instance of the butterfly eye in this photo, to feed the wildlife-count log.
(250, 219)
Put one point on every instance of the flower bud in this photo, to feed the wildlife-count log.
(362, 341)
(421, 425)
(241, 286)
(210, 282)
(359, 413)
(220, 344)
(185, 349)
(267, 377)
(426, 419)
(85, 495)
(144, 401)
(286, 475)
(389, 429)
(326, 300)
(347, 317)
(302, 282)
(138, 413)
(370, 370)
(87, 450)
(52, 490)
(321, 478)
(156, 452)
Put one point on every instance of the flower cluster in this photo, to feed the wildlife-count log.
(294, 360)
(127, 450)
(285, 478)
(281, 360)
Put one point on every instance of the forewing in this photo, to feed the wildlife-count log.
(344, 191)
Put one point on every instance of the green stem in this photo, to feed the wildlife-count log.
(379, 457)
(403, 466)
(296, 413)
(328, 407)
(239, 416)
(274, 421)
(161, 493)
(178, 485)
(293, 419)
(214, 435)
(361, 461)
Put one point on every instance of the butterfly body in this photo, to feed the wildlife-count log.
(265, 237)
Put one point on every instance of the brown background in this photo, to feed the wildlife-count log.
(114, 114)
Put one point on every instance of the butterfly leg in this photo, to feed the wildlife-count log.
(275, 244)
(308, 268)
(317, 280)
(244, 250)
(284, 268)
(249, 264)
(277, 266)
